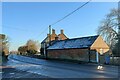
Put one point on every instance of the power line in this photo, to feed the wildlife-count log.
(66, 16)
(71, 13)
(42, 32)
(14, 28)
(21, 29)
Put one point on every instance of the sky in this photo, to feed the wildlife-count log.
(22, 21)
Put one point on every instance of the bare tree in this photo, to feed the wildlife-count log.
(4, 44)
(32, 45)
(30, 48)
(109, 28)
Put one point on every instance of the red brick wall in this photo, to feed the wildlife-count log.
(74, 54)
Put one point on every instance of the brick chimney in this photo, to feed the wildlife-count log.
(62, 31)
(53, 31)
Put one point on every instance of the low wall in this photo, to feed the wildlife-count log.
(23, 59)
(72, 54)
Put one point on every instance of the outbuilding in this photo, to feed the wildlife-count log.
(82, 49)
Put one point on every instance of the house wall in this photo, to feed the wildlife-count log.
(73, 54)
(53, 35)
(62, 37)
(100, 44)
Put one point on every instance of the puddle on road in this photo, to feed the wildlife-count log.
(1, 72)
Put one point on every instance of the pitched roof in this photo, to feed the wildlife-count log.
(83, 42)
(46, 38)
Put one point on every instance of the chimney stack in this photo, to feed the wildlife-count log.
(53, 31)
(62, 31)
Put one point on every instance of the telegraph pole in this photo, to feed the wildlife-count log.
(49, 35)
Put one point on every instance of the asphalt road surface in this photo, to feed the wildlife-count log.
(14, 73)
(56, 69)
(11, 73)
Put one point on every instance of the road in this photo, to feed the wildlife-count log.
(9, 73)
(14, 73)
(56, 69)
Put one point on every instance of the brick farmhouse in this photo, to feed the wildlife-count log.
(51, 38)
